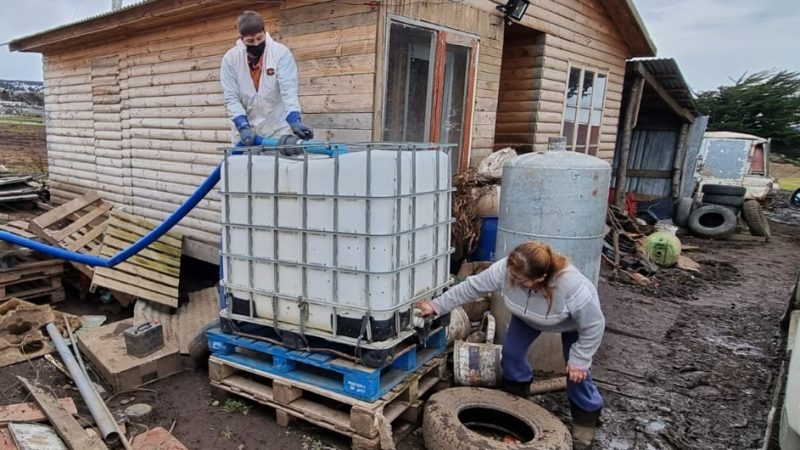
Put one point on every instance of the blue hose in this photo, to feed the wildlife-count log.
(161, 229)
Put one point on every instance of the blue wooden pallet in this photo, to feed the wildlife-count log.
(324, 370)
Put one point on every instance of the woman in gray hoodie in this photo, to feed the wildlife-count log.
(544, 292)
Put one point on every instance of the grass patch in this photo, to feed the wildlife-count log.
(22, 120)
(234, 406)
(789, 184)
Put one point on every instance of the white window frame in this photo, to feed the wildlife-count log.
(574, 138)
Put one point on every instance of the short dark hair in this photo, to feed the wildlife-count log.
(250, 23)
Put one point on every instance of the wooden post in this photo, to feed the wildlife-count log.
(631, 111)
(677, 165)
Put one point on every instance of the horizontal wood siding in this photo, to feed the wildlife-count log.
(579, 33)
(143, 127)
(520, 78)
(488, 27)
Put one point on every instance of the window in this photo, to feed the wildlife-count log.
(427, 93)
(583, 113)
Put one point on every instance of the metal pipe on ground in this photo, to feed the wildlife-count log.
(105, 422)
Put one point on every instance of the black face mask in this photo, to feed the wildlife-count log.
(256, 51)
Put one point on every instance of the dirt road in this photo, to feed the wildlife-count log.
(686, 364)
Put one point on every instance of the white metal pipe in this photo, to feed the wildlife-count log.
(105, 422)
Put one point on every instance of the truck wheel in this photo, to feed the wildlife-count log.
(712, 222)
(721, 189)
(755, 219)
(727, 200)
(795, 198)
(475, 418)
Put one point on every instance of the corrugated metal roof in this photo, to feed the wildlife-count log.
(81, 21)
(670, 77)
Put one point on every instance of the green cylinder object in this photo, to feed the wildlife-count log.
(663, 248)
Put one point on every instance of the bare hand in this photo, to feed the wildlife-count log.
(425, 308)
(575, 374)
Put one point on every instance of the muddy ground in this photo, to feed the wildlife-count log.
(688, 363)
(22, 146)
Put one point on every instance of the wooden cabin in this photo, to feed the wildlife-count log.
(134, 108)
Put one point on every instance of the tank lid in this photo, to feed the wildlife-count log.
(558, 160)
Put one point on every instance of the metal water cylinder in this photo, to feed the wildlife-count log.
(558, 198)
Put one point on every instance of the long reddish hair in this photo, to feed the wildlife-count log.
(534, 260)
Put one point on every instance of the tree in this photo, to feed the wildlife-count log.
(765, 104)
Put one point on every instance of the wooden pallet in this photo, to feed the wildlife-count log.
(77, 225)
(152, 274)
(32, 276)
(369, 425)
(324, 369)
(20, 228)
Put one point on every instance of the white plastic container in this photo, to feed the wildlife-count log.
(315, 244)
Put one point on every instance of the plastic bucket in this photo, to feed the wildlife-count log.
(487, 240)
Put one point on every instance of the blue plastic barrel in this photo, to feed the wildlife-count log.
(487, 240)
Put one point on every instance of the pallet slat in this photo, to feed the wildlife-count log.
(152, 274)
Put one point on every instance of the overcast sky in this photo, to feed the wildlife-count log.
(712, 40)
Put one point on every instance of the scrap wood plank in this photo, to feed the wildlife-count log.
(152, 274)
(34, 436)
(77, 225)
(65, 424)
(30, 412)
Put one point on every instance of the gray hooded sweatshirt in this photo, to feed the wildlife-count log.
(575, 306)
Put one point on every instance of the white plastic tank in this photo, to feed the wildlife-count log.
(315, 244)
(558, 198)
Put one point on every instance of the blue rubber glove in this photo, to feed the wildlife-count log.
(299, 129)
(246, 133)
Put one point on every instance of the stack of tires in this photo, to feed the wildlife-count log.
(717, 216)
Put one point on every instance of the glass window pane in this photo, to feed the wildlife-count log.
(599, 90)
(583, 116)
(409, 69)
(569, 123)
(454, 93)
(572, 86)
(586, 92)
(594, 135)
(597, 115)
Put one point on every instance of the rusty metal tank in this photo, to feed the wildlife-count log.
(559, 198)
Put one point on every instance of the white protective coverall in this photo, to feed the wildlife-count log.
(276, 97)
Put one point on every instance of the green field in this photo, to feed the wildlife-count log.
(22, 120)
(789, 184)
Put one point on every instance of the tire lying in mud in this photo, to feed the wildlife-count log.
(720, 189)
(682, 211)
(712, 222)
(465, 418)
(755, 219)
(726, 200)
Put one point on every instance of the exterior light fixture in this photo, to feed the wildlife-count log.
(514, 10)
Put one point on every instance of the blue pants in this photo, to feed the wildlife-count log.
(518, 340)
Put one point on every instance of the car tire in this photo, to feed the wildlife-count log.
(755, 219)
(712, 222)
(682, 210)
(721, 189)
(444, 427)
(726, 200)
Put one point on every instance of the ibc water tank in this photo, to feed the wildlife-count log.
(558, 198)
